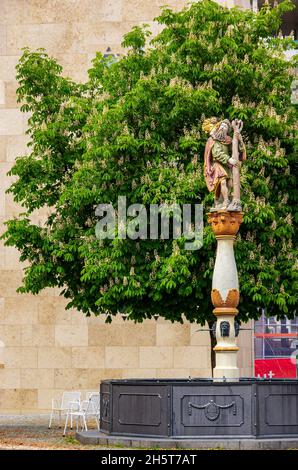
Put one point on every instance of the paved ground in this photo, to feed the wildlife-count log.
(30, 432)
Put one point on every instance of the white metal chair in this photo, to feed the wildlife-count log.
(63, 406)
(83, 411)
(88, 394)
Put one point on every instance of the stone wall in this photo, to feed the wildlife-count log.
(47, 349)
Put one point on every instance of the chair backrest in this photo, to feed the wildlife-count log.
(93, 404)
(88, 395)
(68, 397)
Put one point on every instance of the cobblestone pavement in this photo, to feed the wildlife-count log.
(30, 432)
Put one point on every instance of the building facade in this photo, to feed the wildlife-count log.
(46, 349)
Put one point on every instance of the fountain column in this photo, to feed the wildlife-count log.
(225, 292)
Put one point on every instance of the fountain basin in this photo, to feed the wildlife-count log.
(200, 408)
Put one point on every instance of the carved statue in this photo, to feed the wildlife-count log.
(224, 328)
(222, 158)
(237, 328)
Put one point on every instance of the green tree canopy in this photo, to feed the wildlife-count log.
(134, 129)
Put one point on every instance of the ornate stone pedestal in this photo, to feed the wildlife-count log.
(225, 292)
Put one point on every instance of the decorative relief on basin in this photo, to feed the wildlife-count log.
(211, 409)
(203, 411)
(105, 407)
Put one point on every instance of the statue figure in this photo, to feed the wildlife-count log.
(222, 158)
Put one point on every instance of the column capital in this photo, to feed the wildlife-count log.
(230, 303)
(225, 224)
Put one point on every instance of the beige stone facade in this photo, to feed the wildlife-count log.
(46, 348)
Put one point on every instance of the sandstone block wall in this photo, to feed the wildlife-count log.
(48, 349)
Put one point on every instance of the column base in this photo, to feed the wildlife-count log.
(226, 365)
(220, 374)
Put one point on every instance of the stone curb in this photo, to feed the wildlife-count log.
(97, 438)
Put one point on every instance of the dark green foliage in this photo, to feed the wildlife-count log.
(134, 130)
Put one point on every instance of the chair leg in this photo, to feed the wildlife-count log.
(59, 419)
(71, 422)
(51, 418)
(66, 422)
(85, 424)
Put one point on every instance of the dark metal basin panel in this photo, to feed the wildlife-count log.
(212, 411)
(141, 409)
(278, 409)
(105, 405)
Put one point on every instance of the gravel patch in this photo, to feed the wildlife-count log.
(30, 432)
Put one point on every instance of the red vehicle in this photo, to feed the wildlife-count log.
(276, 347)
